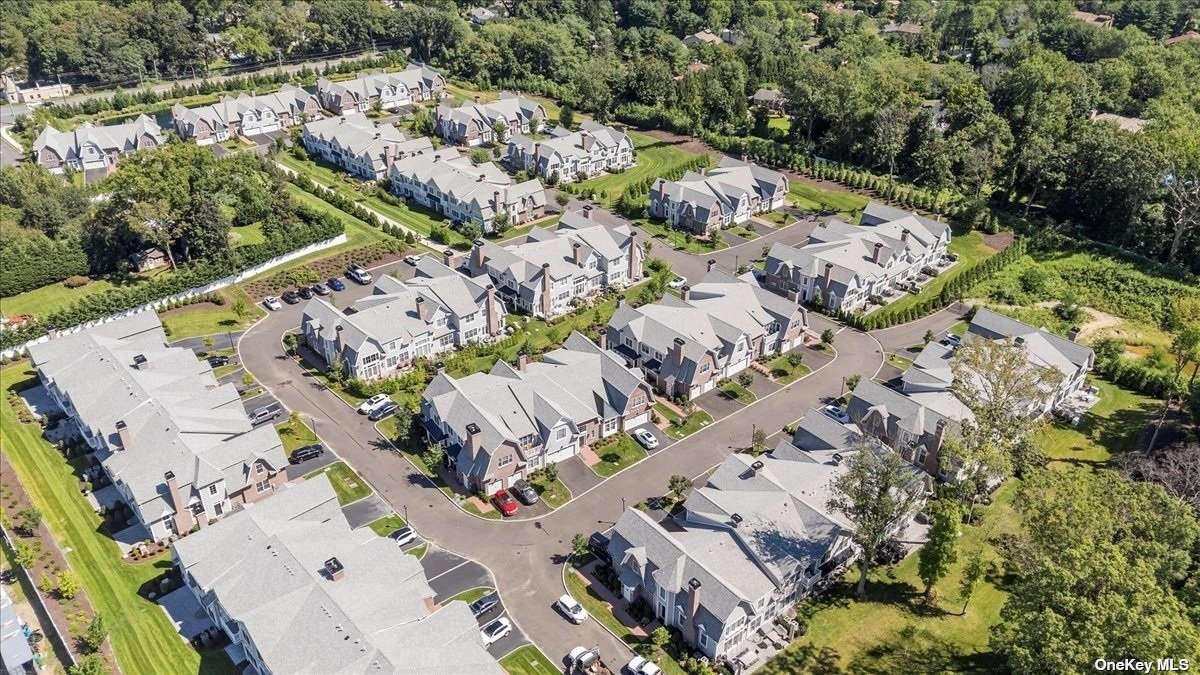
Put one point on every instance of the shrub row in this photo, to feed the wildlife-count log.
(38, 262)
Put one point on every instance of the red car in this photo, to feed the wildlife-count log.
(505, 502)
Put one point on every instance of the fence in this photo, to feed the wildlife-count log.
(189, 293)
(39, 604)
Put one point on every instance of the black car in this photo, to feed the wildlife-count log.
(598, 545)
(485, 604)
(290, 297)
(218, 361)
(305, 292)
(523, 491)
(336, 284)
(306, 453)
(383, 411)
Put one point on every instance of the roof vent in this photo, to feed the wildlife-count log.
(1019, 340)
(736, 518)
(335, 569)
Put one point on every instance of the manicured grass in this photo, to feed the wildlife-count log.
(691, 424)
(295, 434)
(743, 231)
(247, 235)
(518, 232)
(418, 552)
(777, 218)
(971, 250)
(960, 328)
(899, 361)
(552, 492)
(894, 627)
(490, 514)
(654, 158)
(222, 371)
(206, 318)
(677, 239)
(812, 198)
(386, 525)
(49, 299)
(738, 392)
(529, 660)
(349, 486)
(1113, 427)
(471, 595)
(617, 455)
(602, 612)
(784, 372)
(142, 637)
(781, 123)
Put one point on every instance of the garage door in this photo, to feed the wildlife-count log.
(638, 420)
(269, 127)
(559, 455)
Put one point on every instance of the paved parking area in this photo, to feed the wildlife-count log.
(762, 386)
(298, 471)
(577, 476)
(718, 404)
(262, 400)
(664, 441)
(364, 511)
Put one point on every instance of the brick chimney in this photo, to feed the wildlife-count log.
(335, 570)
(522, 361)
(389, 155)
(140, 362)
(876, 253)
(183, 515)
(493, 311)
(338, 344)
(497, 205)
(421, 311)
(473, 439)
(448, 258)
(546, 290)
(635, 257)
(577, 254)
(124, 435)
(477, 256)
(602, 339)
(677, 351)
(694, 608)
(587, 211)
(588, 142)
(828, 274)
(1073, 334)
(685, 293)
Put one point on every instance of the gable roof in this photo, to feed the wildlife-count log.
(722, 188)
(360, 137)
(112, 138)
(372, 84)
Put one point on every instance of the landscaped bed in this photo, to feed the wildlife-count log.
(348, 485)
(616, 452)
(551, 490)
(682, 427)
(602, 612)
(737, 392)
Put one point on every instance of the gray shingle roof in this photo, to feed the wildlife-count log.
(116, 137)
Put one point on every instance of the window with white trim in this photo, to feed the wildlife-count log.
(212, 489)
(505, 460)
(561, 433)
(263, 485)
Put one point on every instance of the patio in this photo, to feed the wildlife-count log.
(185, 613)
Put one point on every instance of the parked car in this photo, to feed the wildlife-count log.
(383, 411)
(494, 631)
(598, 545)
(304, 292)
(372, 403)
(525, 492)
(581, 659)
(264, 414)
(290, 297)
(336, 284)
(572, 609)
(640, 666)
(413, 260)
(646, 438)
(505, 503)
(952, 340)
(677, 283)
(837, 413)
(404, 535)
(306, 453)
(272, 303)
(485, 604)
(358, 273)
(218, 361)
(320, 289)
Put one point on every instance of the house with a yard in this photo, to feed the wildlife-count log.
(685, 345)
(703, 37)
(845, 266)
(175, 443)
(578, 155)
(723, 196)
(297, 590)
(364, 149)
(475, 123)
(246, 115)
(448, 182)
(501, 425)
(747, 546)
(94, 150)
(401, 321)
(391, 91)
(771, 99)
(550, 272)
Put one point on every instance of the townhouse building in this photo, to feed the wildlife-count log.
(591, 151)
(297, 590)
(547, 274)
(474, 123)
(449, 183)
(362, 148)
(246, 115)
(176, 443)
(845, 266)
(685, 345)
(94, 150)
(726, 195)
(501, 425)
(436, 311)
(391, 91)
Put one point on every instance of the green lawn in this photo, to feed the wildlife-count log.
(349, 486)
(418, 552)
(386, 525)
(529, 660)
(554, 493)
(602, 612)
(1112, 427)
(812, 198)
(784, 372)
(619, 454)
(899, 361)
(49, 299)
(142, 637)
(677, 239)
(295, 434)
(737, 392)
(471, 595)
(780, 122)
(971, 250)
(776, 218)
(247, 235)
(204, 318)
(491, 514)
(691, 424)
(654, 158)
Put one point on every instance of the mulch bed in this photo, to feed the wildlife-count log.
(322, 269)
(998, 241)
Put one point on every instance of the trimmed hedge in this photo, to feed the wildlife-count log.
(39, 262)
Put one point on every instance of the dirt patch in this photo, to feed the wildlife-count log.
(1097, 324)
(998, 241)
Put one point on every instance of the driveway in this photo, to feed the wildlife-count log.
(577, 476)
(898, 338)
(220, 341)
(718, 404)
(664, 441)
(762, 386)
(364, 511)
(298, 471)
(261, 401)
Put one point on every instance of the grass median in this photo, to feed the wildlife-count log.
(348, 485)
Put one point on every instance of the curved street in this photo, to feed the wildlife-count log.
(526, 557)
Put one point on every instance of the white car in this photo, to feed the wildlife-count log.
(836, 412)
(582, 658)
(646, 438)
(677, 283)
(413, 259)
(574, 611)
(494, 631)
(403, 536)
(640, 666)
(372, 403)
(272, 303)
(952, 340)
